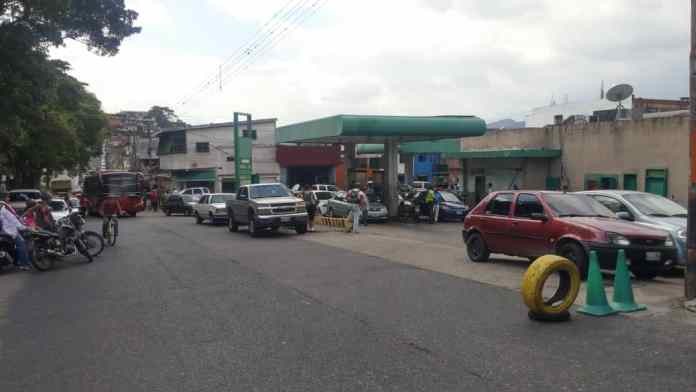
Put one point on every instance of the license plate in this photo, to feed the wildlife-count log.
(285, 219)
(652, 256)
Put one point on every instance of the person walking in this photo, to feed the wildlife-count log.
(154, 199)
(355, 213)
(311, 201)
(12, 226)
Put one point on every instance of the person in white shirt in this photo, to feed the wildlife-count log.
(11, 225)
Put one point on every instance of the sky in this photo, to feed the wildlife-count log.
(491, 58)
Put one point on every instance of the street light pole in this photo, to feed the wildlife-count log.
(690, 274)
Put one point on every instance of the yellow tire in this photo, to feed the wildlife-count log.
(536, 276)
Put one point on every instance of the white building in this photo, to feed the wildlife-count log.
(543, 116)
(203, 155)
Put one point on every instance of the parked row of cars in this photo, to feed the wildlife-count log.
(651, 229)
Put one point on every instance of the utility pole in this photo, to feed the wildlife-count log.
(690, 274)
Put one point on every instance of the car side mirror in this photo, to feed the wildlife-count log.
(539, 216)
(623, 215)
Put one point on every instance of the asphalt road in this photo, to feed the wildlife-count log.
(181, 307)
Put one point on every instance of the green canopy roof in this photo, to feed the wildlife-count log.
(506, 153)
(378, 129)
(438, 146)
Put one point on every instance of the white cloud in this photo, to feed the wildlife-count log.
(413, 57)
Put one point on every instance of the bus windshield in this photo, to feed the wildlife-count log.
(122, 183)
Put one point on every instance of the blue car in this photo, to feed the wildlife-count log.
(649, 210)
(452, 208)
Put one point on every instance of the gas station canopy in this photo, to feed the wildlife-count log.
(346, 128)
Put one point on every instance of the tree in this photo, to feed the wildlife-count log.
(48, 120)
(165, 117)
(100, 24)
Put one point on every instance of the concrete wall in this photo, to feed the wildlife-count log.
(628, 147)
(614, 148)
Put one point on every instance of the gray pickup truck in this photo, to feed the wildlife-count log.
(266, 207)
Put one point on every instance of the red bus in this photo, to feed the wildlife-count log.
(129, 187)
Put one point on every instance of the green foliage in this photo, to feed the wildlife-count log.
(100, 24)
(165, 117)
(48, 120)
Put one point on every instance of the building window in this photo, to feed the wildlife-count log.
(203, 147)
(601, 181)
(630, 182)
(172, 143)
(656, 181)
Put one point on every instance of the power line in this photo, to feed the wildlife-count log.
(240, 49)
(267, 30)
(294, 17)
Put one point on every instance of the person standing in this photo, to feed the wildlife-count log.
(11, 225)
(355, 213)
(430, 203)
(311, 201)
(364, 205)
(436, 206)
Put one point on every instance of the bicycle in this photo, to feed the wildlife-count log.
(110, 230)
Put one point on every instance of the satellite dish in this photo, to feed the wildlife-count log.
(619, 92)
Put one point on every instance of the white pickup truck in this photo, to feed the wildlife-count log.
(212, 207)
(266, 207)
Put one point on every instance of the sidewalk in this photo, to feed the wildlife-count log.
(440, 248)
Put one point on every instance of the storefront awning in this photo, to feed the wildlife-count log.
(505, 153)
(194, 175)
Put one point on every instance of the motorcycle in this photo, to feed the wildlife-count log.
(8, 251)
(68, 240)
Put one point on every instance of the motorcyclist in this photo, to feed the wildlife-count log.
(11, 225)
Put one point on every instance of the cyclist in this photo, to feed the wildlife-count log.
(110, 209)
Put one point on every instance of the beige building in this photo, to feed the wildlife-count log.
(647, 155)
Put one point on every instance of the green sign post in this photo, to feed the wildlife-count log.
(242, 150)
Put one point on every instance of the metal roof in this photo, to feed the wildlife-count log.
(506, 153)
(346, 128)
(242, 125)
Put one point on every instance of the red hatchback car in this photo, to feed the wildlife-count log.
(534, 223)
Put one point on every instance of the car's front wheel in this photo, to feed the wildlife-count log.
(253, 230)
(575, 253)
(477, 249)
(301, 229)
(199, 220)
(232, 225)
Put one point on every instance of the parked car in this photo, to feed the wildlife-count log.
(175, 204)
(212, 207)
(192, 195)
(59, 208)
(266, 207)
(376, 210)
(533, 223)
(339, 207)
(648, 209)
(452, 208)
(323, 197)
(19, 197)
(421, 185)
(324, 187)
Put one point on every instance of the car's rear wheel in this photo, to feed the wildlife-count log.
(575, 253)
(644, 273)
(477, 249)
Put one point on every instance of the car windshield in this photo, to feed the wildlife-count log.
(331, 188)
(270, 190)
(373, 198)
(221, 198)
(75, 203)
(324, 195)
(57, 205)
(655, 205)
(564, 204)
(24, 196)
(449, 196)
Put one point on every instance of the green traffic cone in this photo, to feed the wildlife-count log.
(623, 290)
(596, 302)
